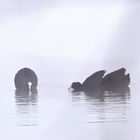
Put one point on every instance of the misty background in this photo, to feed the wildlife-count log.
(65, 41)
(52, 35)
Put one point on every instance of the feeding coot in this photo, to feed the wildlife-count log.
(23, 78)
(113, 81)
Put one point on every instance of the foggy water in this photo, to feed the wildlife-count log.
(57, 113)
(63, 44)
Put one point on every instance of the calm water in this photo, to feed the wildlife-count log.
(55, 113)
(63, 44)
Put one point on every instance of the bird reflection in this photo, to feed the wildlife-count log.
(101, 95)
(26, 108)
(103, 106)
(25, 98)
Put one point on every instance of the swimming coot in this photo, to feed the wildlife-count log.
(116, 80)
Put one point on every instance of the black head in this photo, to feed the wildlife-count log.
(77, 86)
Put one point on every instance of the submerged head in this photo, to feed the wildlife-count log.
(26, 81)
(76, 86)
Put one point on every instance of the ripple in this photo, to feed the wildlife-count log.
(26, 110)
(109, 107)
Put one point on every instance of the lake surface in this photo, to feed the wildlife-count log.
(63, 44)
(56, 113)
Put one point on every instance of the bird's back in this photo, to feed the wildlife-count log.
(116, 79)
(94, 80)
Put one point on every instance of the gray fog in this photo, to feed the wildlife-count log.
(66, 41)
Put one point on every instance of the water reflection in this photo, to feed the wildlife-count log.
(26, 108)
(103, 106)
